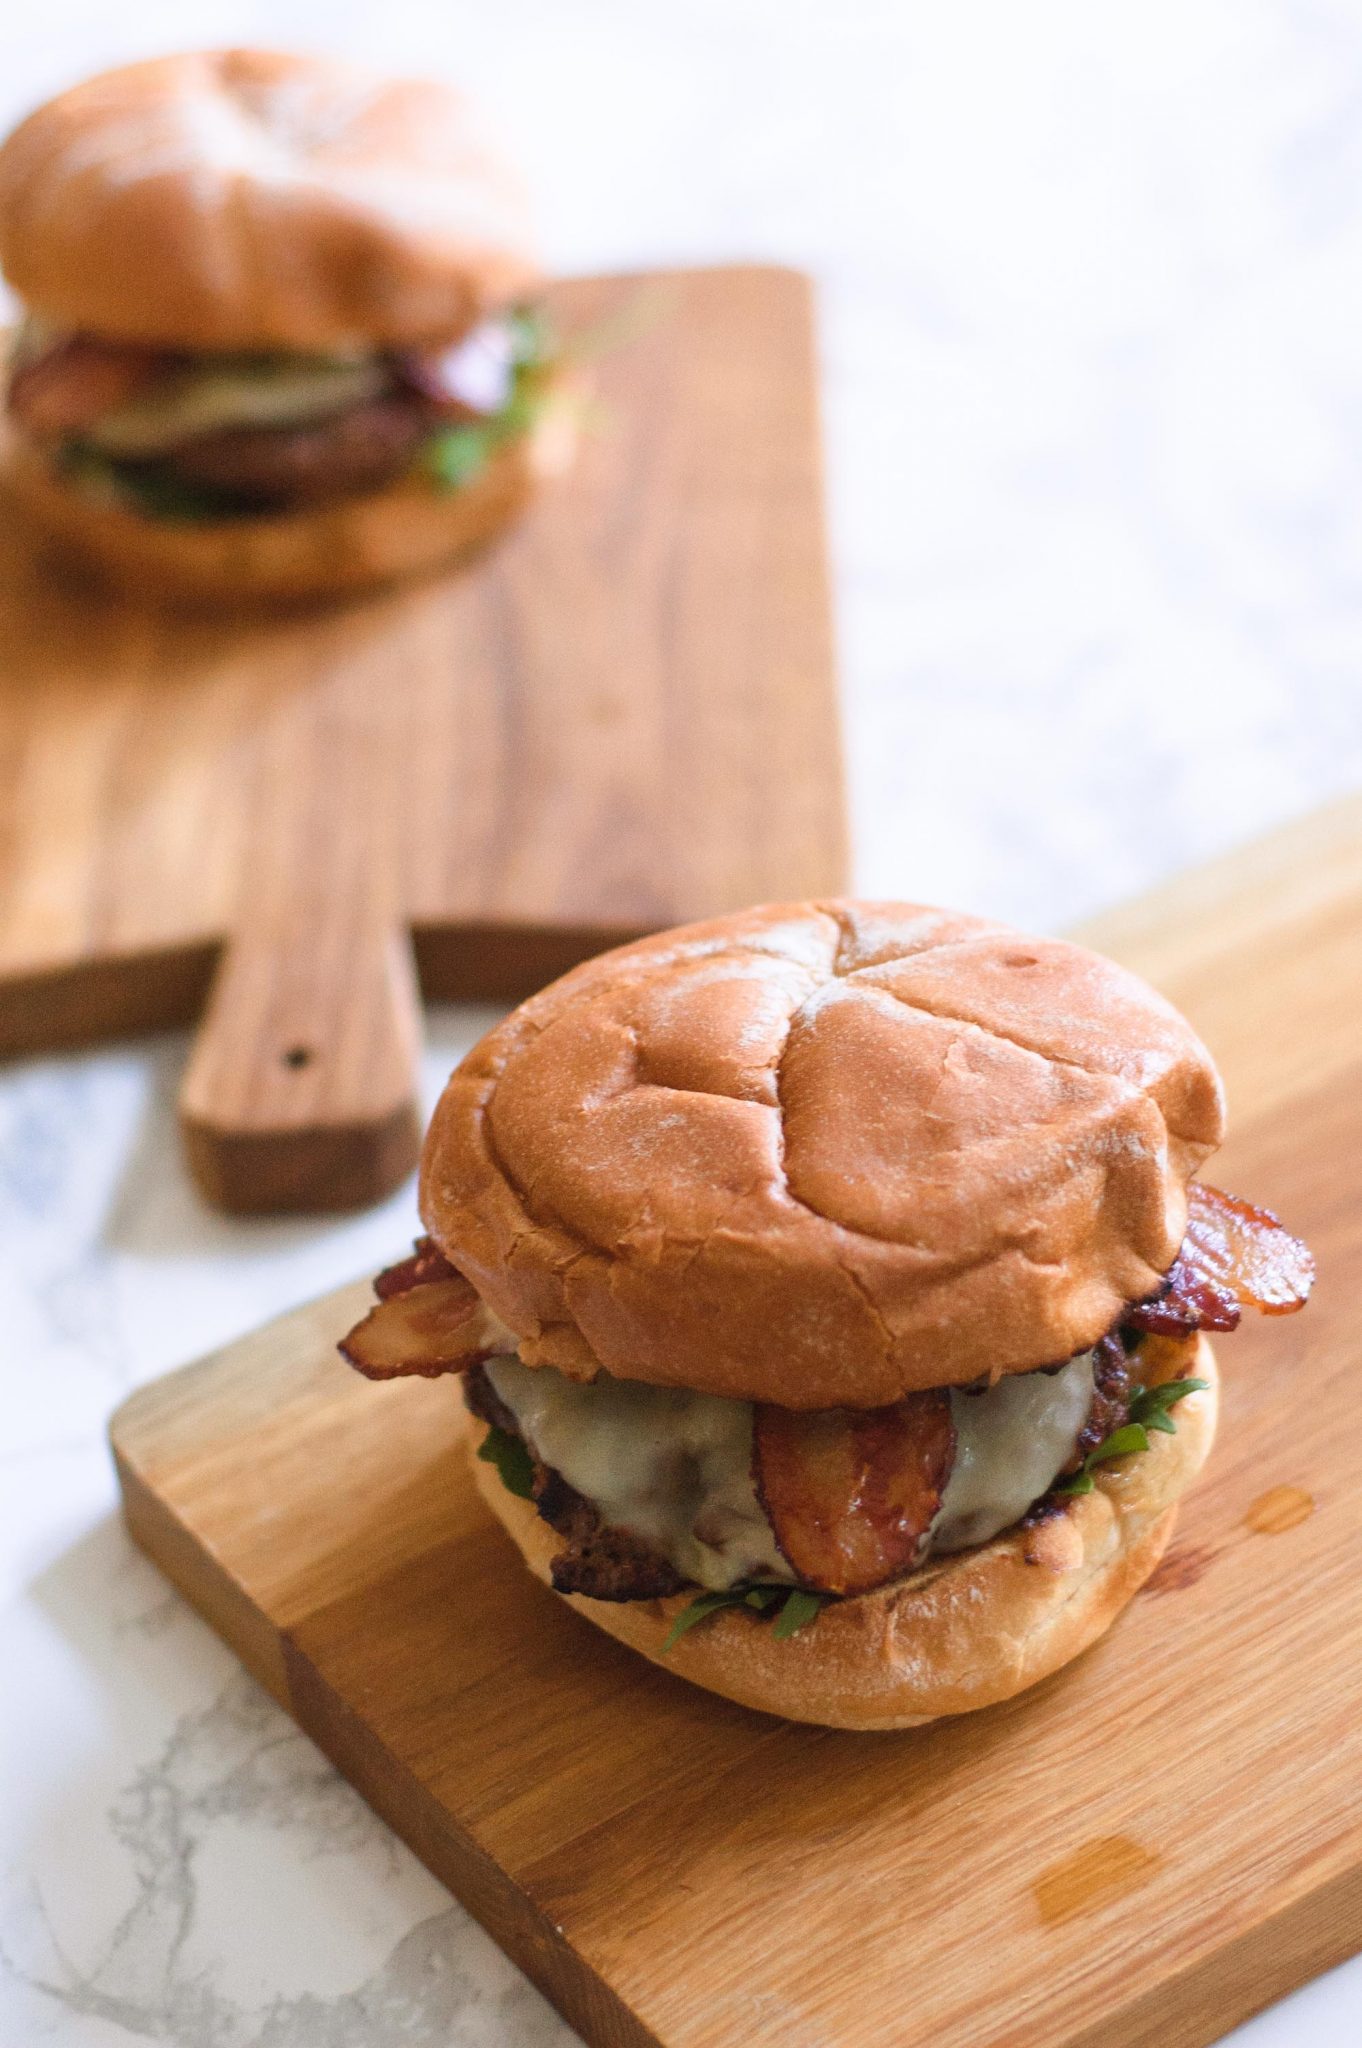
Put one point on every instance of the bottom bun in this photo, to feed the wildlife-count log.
(352, 544)
(965, 1631)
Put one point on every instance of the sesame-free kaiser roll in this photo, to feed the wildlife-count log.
(829, 1284)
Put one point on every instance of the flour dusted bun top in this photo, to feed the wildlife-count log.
(823, 1153)
(246, 199)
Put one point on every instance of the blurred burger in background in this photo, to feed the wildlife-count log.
(278, 335)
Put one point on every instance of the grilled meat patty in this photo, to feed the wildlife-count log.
(263, 469)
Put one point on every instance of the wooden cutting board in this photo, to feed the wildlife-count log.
(622, 717)
(1144, 1850)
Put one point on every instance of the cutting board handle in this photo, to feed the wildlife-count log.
(302, 1089)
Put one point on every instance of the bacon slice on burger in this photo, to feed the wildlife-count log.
(1234, 1256)
(429, 1321)
(852, 1492)
(76, 380)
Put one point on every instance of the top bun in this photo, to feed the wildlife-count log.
(242, 199)
(822, 1154)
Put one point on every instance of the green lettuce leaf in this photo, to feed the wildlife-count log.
(512, 1460)
(1149, 1409)
(799, 1609)
(792, 1607)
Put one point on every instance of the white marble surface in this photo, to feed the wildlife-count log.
(1090, 285)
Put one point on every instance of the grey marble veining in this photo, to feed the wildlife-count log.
(1088, 286)
(250, 1897)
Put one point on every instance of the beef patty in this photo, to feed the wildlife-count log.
(275, 468)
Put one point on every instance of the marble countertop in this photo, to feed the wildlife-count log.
(1094, 414)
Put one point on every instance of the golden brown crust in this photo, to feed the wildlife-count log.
(244, 199)
(326, 550)
(822, 1154)
(962, 1633)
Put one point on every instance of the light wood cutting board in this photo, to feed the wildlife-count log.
(622, 717)
(1144, 1850)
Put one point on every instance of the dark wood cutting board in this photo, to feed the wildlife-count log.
(1142, 1851)
(623, 716)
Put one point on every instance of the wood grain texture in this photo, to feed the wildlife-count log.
(1145, 1849)
(621, 717)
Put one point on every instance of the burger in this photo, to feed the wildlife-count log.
(831, 1293)
(279, 335)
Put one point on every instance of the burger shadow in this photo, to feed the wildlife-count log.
(169, 707)
(809, 1789)
(72, 631)
(879, 1832)
(726, 1787)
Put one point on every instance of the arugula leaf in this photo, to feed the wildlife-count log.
(512, 1460)
(1131, 1436)
(1078, 1482)
(762, 1597)
(796, 1609)
(1150, 1405)
(700, 1608)
(1149, 1409)
(799, 1609)
(456, 454)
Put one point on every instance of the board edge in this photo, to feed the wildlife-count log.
(510, 1915)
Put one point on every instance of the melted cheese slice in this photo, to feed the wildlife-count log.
(674, 1468)
(259, 391)
(1011, 1443)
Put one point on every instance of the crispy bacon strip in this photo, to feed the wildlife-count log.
(427, 1262)
(1246, 1251)
(78, 380)
(1190, 1302)
(851, 1493)
(427, 1328)
(1233, 1257)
